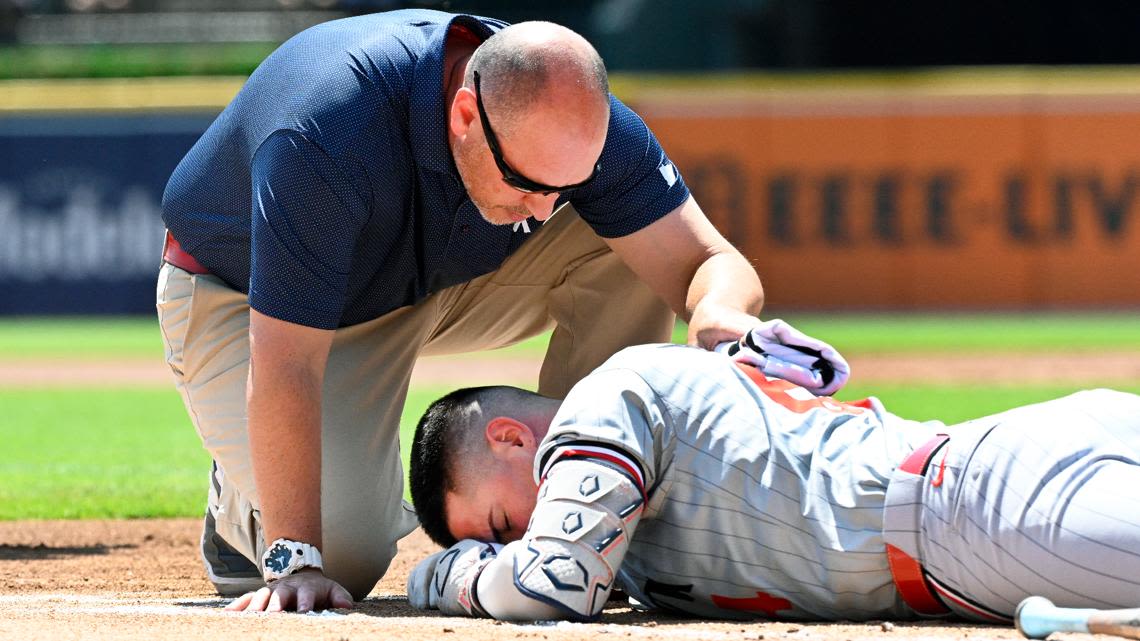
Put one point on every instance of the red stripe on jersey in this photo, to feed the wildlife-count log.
(609, 456)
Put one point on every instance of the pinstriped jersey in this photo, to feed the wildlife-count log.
(762, 500)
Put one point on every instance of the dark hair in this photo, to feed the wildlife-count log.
(439, 436)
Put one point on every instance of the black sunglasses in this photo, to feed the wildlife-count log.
(510, 176)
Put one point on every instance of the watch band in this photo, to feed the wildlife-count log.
(284, 557)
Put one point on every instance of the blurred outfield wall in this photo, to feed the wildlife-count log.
(957, 189)
(83, 164)
(986, 189)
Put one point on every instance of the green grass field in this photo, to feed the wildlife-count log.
(139, 337)
(111, 452)
(129, 453)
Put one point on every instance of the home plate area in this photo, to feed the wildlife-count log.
(140, 580)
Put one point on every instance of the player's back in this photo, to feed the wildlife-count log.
(763, 499)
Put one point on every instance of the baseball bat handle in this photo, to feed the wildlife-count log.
(1122, 623)
(1037, 618)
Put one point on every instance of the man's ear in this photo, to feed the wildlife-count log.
(463, 113)
(504, 433)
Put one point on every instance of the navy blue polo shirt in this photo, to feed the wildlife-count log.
(326, 190)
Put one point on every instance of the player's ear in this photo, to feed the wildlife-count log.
(503, 433)
(464, 112)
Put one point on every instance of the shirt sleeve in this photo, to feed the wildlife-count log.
(638, 184)
(615, 409)
(307, 216)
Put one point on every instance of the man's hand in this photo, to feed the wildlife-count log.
(712, 324)
(446, 579)
(307, 589)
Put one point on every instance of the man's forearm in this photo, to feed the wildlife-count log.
(285, 444)
(286, 373)
(697, 272)
(729, 280)
(724, 299)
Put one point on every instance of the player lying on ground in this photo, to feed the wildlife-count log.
(699, 485)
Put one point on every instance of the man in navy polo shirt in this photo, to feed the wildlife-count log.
(383, 187)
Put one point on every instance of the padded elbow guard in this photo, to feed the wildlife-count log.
(586, 513)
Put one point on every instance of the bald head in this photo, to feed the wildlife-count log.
(537, 65)
(537, 121)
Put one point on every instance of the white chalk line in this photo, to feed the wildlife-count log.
(94, 604)
(639, 630)
(82, 604)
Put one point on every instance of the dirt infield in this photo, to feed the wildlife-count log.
(142, 580)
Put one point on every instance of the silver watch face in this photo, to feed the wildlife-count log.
(279, 557)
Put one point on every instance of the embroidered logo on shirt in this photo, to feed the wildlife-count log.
(524, 225)
(668, 172)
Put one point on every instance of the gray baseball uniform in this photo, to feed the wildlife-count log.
(763, 500)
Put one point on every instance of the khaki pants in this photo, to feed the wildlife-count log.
(565, 276)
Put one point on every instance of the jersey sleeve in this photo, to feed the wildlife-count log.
(638, 184)
(307, 215)
(615, 410)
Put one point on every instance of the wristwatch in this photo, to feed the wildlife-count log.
(285, 557)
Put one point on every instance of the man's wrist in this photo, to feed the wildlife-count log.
(284, 557)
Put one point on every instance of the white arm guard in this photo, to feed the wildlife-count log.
(579, 532)
(444, 580)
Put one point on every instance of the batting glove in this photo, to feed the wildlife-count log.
(445, 581)
(780, 350)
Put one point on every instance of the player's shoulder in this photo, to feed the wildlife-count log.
(654, 358)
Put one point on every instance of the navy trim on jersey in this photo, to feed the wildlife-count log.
(946, 594)
(567, 449)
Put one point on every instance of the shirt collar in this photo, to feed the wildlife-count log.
(428, 116)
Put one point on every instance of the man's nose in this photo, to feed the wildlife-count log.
(541, 206)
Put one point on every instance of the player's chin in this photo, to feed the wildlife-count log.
(502, 215)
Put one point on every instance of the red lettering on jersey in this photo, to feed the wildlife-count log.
(796, 398)
(865, 403)
(762, 602)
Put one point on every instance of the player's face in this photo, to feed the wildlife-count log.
(496, 506)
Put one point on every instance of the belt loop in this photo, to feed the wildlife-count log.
(165, 245)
